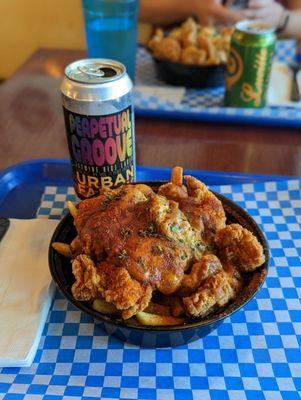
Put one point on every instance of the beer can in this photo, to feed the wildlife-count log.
(249, 65)
(98, 111)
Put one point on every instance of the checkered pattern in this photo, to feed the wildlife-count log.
(254, 355)
(54, 201)
(207, 103)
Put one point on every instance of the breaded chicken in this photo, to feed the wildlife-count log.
(155, 41)
(151, 258)
(189, 31)
(201, 207)
(87, 279)
(169, 49)
(216, 291)
(238, 246)
(132, 242)
(173, 224)
(144, 234)
(173, 192)
(191, 55)
(112, 283)
(102, 222)
(200, 271)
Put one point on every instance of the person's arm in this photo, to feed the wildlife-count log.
(164, 11)
(293, 4)
(274, 14)
(170, 11)
(293, 26)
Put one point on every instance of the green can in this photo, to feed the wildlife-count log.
(249, 65)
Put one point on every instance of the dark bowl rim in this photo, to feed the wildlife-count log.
(157, 329)
(188, 66)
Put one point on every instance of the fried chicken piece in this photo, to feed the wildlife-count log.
(203, 209)
(191, 55)
(206, 44)
(155, 41)
(172, 223)
(101, 222)
(176, 34)
(89, 206)
(216, 291)
(169, 49)
(87, 279)
(155, 260)
(200, 271)
(129, 231)
(207, 31)
(126, 293)
(173, 192)
(112, 283)
(189, 30)
(238, 246)
(222, 56)
(196, 45)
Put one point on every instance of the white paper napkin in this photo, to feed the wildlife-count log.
(25, 289)
(280, 87)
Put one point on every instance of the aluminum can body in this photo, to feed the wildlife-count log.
(249, 65)
(99, 120)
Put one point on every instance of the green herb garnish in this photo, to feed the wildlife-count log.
(174, 228)
(142, 264)
(125, 232)
(122, 255)
(157, 249)
(184, 256)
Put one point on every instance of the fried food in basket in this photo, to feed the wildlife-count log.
(162, 257)
(192, 44)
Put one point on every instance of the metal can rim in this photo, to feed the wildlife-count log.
(245, 25)
(103, 61)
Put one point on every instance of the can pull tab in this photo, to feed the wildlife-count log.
(93, 71)
(97, 71)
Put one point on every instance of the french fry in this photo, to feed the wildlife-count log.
(158, 309)
(72, 209)
(103, 307)
(63, 249)
(75, 245)
(177, 176)
(157, 320)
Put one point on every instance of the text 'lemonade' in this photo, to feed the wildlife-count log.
(99, 125)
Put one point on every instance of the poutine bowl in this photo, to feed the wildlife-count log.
(159, 336)
(191, 76)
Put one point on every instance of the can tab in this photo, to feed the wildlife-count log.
(97, 71)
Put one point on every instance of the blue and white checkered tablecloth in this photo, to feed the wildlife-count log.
(208, 103)
(254, 355)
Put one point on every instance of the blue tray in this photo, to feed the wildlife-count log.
(254, 355)
(207, 104)
(22, 185)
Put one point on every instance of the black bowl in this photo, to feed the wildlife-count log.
(147, 336)
(192, 76)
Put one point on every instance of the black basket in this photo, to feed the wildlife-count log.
(191, 76)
